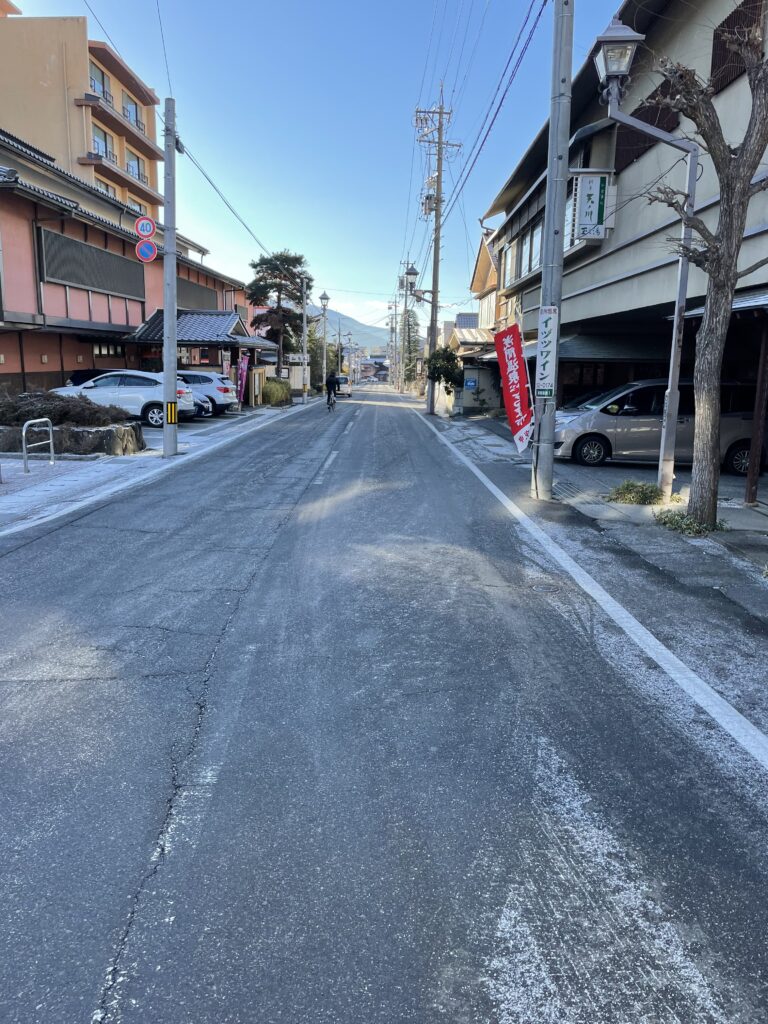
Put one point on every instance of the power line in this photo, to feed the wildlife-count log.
(165, 52)
(101, 26)
(468, 168)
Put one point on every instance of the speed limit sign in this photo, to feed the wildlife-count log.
(145, 227)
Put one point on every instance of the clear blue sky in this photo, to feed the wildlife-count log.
(302, 113)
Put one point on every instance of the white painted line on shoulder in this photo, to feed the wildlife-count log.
(324, 468)
(102, 494)
(747, 735)
(347, 429)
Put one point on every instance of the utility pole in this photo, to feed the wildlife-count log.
(431, 124)
(304, 363)
(393, 342)
(338, 350)
(552, 253)
(170, 352)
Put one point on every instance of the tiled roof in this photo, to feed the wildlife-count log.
(9, 178)
(200, 326)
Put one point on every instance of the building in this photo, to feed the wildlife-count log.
(72, 291)
(75, 98)
(619, 290)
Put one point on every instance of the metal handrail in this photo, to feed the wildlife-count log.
(35, 444)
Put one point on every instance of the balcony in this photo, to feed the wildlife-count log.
(131, 129)
(105, 162)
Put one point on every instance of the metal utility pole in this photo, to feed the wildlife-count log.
(432, 123)
(170, 352)
(324, 300)
(393, 342)
(338, 350)
(552, 252)
(304, 363)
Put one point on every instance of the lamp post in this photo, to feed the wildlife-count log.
(410, 278)
(324, 300)
(613, 62)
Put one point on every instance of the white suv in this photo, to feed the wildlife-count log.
(218, 389)
(136, 391)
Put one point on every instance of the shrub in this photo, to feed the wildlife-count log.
(631, 492)
(444, 365)
(679, 521)
(276, 391)
(69, 410)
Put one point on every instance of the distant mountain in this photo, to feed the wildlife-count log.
(374, 339)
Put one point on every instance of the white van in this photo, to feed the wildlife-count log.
(625, 424)
(344, 387)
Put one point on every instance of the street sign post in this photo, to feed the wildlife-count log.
(145, 227)
(146, 250)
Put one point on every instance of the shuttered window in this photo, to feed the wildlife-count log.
(727, 65)
(630, 143)
(68, 261)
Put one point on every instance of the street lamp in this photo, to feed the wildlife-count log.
(324, 300)
(617, 50)
(613, 61)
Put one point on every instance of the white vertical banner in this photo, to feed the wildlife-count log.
(545, 352)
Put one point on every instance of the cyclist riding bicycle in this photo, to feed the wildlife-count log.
(331, 386)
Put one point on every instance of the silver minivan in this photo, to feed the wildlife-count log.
(625, 424)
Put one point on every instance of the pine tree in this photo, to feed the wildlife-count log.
(277, 284)
(409, 327)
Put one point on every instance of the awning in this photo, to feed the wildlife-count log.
(594, 348)
(741, 304)
(220, 327)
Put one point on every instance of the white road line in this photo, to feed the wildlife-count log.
(324, 468)
(105, 493)
(347, 428)
(727, 717)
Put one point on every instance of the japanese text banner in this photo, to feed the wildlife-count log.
(514, 384)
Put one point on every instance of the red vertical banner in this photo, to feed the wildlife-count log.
(242, 376)
(514, 383)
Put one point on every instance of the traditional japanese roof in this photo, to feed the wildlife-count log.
(202, 327)
(746, 302)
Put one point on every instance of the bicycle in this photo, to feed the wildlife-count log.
(331, 403)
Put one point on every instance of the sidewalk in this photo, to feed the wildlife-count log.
(47, 492)
(734, 561)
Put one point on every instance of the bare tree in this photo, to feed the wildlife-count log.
(716, 251)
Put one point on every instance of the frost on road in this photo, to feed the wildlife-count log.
(582, 938)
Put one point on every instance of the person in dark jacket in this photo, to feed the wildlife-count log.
(331, 386)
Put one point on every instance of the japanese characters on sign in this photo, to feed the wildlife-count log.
(242, 376)
(514, 383)
(546, 361)
(590, 206)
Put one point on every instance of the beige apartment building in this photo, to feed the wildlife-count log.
(75, 99)
(619, 290)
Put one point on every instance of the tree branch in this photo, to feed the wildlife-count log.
(676, 200)
(750, 270)
(694, 100)
(758, 186)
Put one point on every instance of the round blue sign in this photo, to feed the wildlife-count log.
(146, 250)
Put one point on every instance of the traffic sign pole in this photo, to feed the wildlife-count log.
(170, 353)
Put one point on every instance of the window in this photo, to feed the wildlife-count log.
(529, 248)
(103, 348)
(642, 402)
(103, 143)
(100, 82)
(104, 186)
(631, 144)
(570, 215)
(509, 266)
(727, 65)
(135, 166)
(128, 380)
(135, 205)
(109, 380)
(130, 109)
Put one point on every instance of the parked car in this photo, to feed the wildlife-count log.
(217, 388)
(625, 423)
(203, 407)
(136, 391)
(344, 386)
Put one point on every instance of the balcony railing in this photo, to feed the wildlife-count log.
(134, 172)
(129, 115)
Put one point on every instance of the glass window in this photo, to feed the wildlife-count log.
(110, 380)
(131, 109)
(135, 165)
(536, 235)
(128, 380)
(99, 80)
(642, 402)
(103, 143)
(135, 205)
(106, 187)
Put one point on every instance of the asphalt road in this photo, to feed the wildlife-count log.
(310, 732)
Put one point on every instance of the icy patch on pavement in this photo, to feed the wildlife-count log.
(581, 939)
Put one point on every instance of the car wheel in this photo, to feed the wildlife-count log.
(592, 450)
(737, 458)
(153, 414)
(217, 409)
